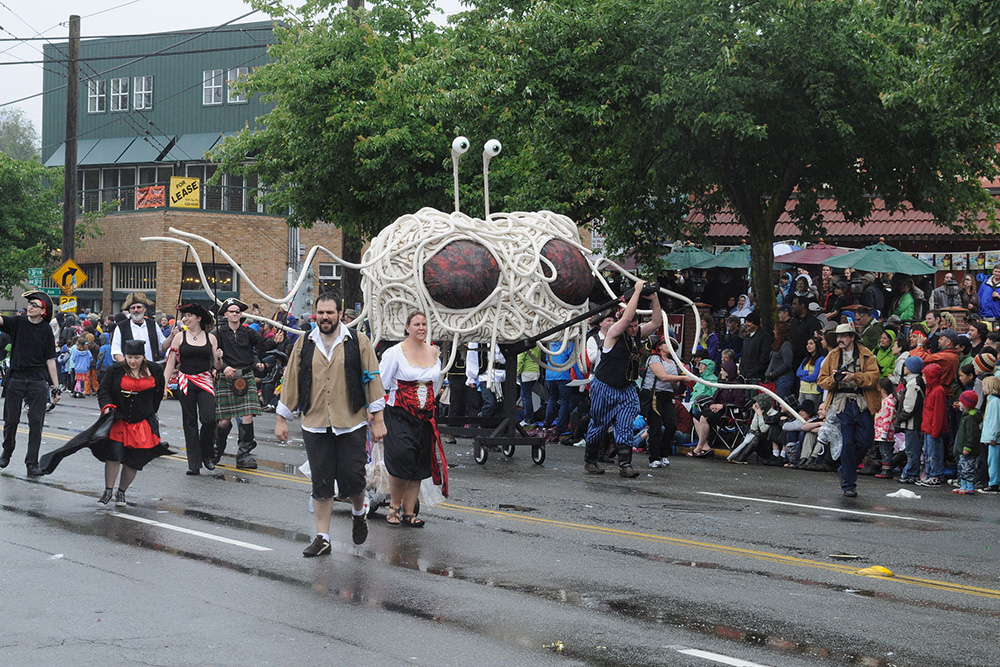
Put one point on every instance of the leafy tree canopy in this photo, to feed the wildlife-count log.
(634, 113)
(30, 218)
(18, 138)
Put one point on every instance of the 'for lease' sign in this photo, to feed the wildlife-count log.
(185, 192)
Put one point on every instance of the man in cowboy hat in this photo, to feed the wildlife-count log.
(32, 370)
(850, 374)
(240, 349)
(138, 327)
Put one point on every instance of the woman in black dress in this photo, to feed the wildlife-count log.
(192, 354)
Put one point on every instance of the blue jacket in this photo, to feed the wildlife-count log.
(988, 306)
(558, 360)
(991, 421)
(82, 360)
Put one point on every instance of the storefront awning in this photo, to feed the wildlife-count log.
(146, 149)
(107, 151)
(83, 147)
(192, 147)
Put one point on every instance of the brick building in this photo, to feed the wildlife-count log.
(150, 108)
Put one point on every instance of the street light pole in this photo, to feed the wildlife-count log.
(72, 130)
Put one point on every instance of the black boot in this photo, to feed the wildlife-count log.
(246, 443)
(221, 439)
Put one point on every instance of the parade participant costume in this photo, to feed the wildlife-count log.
(197, 393)
(124, 430)
(236, 397)
(413, 447)
(32, 368)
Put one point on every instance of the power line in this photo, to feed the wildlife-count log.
(131, 37)
(109, 9)
(60, 61)
(117, 67)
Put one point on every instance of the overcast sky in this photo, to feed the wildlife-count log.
(49, 18)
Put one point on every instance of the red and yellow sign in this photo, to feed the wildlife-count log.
(185, 192)
(153, 196)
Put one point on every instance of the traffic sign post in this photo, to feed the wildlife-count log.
(69, 277)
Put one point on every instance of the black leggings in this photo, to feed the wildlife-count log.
(661, 414)
(198, 418)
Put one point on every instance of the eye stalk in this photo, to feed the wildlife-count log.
(458, 148)
(491, 149)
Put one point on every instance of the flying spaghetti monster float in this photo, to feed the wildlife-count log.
(513, 280)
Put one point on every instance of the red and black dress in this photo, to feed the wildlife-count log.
(413, 447)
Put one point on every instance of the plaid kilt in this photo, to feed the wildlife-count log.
(230, 406)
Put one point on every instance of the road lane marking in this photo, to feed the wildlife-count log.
(714, 657)
(736, 551)
(819, 507)
(188, 531)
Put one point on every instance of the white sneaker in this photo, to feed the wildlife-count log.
(582, 443)
(657, 464)
(665, 461)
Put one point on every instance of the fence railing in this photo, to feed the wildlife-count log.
(237, 199)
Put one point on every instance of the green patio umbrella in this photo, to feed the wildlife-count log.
(880, 258)
(684, 258)
(737, 258)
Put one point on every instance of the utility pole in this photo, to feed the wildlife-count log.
(72, 129)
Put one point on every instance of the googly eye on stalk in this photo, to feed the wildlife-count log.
(459, 146)
(492, 148)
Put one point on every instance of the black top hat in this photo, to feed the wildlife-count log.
(45, 299)
(200, 311)
(232, 301)
(134, 348)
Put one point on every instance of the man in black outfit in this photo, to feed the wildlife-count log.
(756, 349)
(32, 368)
(802, 326)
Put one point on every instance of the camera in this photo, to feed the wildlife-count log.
(839, 375)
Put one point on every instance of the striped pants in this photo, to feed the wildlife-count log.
(610, 406)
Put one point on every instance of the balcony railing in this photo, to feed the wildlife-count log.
(236, 199)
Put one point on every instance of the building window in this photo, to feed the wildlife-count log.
(211, 92)
(96, 96)
(155, 175)
(143, 92)
(119, 94)
(329, 277)
(235, 74)
(133, 276)
(221, 277)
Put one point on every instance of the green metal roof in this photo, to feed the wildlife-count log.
(107, 151)
(145, 149)
(83, 148)
(192, 146)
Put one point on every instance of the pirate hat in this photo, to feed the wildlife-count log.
(45, 299)
(134, 298)
(134, 348)
(232, 301)
(200, 311)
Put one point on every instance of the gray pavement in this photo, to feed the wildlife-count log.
(701, 563)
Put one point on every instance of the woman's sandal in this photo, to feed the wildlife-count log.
(394, 518)
(412, 521)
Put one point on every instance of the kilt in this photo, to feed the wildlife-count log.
(230, 406)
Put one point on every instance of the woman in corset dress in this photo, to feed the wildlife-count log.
(411, 374)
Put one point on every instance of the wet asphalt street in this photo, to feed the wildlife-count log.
(702, 563)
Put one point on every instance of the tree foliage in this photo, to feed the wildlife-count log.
(18, 138)
(30, 218)
(634, 114)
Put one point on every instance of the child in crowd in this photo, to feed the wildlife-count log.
(990, 435)
(885, 431)
(82, 360)
(967, 442)
(62, 366)
(800, 438)
(933, 424)
(910, 406)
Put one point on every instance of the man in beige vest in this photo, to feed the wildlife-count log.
(332, 380)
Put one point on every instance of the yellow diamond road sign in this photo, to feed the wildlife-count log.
(69, 277)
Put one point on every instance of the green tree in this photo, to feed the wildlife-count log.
(30, 218)
(18, 138)
(654, 115)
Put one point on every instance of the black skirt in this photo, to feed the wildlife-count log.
(407, 444)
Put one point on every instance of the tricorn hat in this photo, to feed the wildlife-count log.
(232, 301)
(200, 311)
(45, 299)
(134, 298)
(134, 348)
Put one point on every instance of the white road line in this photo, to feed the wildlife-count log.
(714, 657)
(188, 531)
(819, 507)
